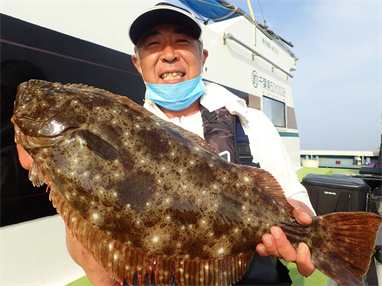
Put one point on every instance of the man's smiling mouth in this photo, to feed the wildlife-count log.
(172, 75)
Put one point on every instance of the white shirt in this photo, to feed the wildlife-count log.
(265, 143)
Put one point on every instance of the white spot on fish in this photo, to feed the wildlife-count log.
(137, 126)
(159, 181)
(155, 239)
(197, 148)
(115, 194)
(243, 207)
(95, 215)
(97, 177)
(221, 250)
(128, 205)
(246, 179)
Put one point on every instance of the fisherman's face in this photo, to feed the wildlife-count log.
(167, 54)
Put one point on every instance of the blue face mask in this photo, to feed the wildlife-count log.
(176, 96)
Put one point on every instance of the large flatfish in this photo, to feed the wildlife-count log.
(147, 198)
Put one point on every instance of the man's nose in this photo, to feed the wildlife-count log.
(169, 54)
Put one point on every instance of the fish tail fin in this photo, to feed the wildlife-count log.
(343, 245)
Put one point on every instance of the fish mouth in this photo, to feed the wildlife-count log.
(172, 75)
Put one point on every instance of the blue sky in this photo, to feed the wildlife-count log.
(338, 85)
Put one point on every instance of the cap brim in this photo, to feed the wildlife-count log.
(162, 15)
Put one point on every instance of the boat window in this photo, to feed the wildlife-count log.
(275, 110)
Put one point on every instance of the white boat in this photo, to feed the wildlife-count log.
(87, 42)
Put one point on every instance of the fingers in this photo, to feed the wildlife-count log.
(302, 212)
(303, 260)
(302, 216)
(24, 158)
(276, 244)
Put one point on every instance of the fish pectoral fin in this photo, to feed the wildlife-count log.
(99, 146)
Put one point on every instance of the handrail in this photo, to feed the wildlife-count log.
(231, 37)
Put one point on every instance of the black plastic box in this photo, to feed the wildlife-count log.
(335, 194)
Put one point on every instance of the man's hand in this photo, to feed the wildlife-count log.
(96, 275)
(276, 243)
(94, 272)
(24, 158)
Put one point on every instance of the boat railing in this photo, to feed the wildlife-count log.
(229, 36)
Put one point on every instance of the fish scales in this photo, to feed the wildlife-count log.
(144, 196)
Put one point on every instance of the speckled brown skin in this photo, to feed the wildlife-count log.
(142, 194)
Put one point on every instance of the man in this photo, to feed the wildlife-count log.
(170, 58)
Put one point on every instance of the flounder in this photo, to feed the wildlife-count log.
(144, 196)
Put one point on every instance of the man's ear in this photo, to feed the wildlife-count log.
(136, 63)
(205, 55)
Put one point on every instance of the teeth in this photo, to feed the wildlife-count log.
(172, 75)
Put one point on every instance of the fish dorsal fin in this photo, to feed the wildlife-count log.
(127, 101)
(268, 183)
